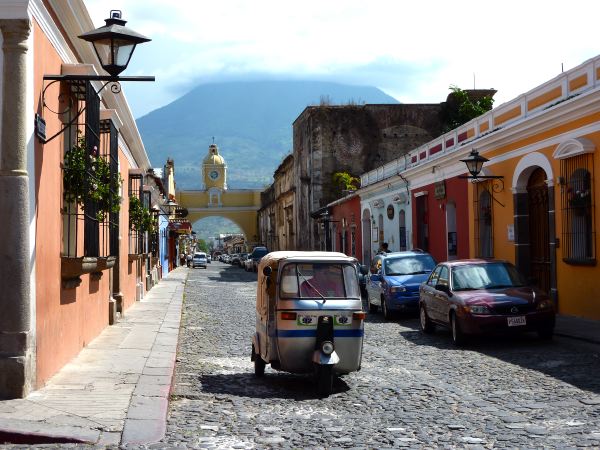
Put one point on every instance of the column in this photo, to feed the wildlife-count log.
(16, 336)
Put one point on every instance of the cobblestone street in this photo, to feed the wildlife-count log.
(413, 390)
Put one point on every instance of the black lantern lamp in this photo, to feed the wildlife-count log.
(474, 165)
(114, 43)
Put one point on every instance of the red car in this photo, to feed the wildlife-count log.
(483, 296)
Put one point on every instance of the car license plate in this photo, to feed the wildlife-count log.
(517, 321)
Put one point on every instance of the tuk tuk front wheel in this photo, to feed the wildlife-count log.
(325, 380)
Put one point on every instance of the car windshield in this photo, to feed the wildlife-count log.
(485, 276)
(408, 265)
(319, 280)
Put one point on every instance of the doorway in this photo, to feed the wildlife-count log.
(539, 232)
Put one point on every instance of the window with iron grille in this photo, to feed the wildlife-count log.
(91, 197)
(484, 220)
(577, 209)
(136, 236)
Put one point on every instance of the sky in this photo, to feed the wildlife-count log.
(412, 50)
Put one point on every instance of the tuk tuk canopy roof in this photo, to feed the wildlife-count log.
(272, 259)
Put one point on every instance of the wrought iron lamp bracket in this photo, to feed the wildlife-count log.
(77, 87)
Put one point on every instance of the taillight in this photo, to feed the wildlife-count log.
(288, 316)
(359, 315)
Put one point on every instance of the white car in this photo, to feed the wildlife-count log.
(199, 260)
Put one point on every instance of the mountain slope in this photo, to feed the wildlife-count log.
(250, 121)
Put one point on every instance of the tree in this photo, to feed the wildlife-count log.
(463, 106)
(202, 245)
(343, 181)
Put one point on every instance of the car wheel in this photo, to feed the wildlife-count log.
(387, 315)
(458, 337)
(427, 326)
(546, 333)
(259, 365)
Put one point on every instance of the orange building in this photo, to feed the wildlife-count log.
(69, 259)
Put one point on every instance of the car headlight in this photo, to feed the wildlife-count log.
(545, 304)
(327, 347)
(398, 289)
(479, 309)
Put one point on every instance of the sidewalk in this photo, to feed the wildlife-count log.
(116, 391)
(578, 328)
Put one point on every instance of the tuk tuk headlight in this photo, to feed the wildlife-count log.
(327, 347)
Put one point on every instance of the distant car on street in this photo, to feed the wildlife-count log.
(238, 259)
(208, 258)
(256, 256)
(199, 260)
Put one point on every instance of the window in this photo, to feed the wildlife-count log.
(433, 278)
(484, 220)
(91, 181)
(319, 280)
(402, 231)
(577, 209)
(136, 238)
(444, 278)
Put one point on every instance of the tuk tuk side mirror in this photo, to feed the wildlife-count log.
(267, 270)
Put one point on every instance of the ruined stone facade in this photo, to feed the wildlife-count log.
(353, 139)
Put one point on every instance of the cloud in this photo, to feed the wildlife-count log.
(412, 50)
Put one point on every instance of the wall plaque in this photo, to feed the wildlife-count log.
(390, 212)
(439, 190)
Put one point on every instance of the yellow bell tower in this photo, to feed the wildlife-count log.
(214, 175)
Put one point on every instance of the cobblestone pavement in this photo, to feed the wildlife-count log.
(413, 390)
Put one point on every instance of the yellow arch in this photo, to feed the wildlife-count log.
(240, 206)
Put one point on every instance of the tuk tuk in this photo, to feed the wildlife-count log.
(309, 316)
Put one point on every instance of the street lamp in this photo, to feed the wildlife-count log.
(114, 43)
(474, 165)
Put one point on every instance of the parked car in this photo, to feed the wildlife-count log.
(256, 256)
(394, 281)
(483, 296)
(199, 260)
(238, 259)
(248, 264)
(226, 257)
(208, 258)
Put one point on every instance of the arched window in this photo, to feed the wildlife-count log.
(402, 230)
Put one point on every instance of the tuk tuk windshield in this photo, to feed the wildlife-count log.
(319, 280)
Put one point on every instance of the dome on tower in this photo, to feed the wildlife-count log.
(213, 156)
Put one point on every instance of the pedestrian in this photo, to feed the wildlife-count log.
(384, 248)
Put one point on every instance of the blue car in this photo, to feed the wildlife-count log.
(394, 280)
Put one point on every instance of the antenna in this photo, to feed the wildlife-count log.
(473, 80)
(562, 67)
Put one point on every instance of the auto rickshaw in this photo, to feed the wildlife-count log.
(309, 316)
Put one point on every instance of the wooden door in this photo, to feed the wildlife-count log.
(539, 235)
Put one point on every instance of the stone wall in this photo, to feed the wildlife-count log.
(353, 139)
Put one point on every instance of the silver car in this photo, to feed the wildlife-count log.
(199, 260)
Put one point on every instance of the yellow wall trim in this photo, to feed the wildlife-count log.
(515, 112)
(470, 133)
(484, 127)
(544, 98)
(578, 82)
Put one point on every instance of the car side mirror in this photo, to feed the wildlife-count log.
(267, 270)
(443, 288)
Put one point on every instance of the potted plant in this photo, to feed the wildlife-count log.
(86, 177)
(140, 217)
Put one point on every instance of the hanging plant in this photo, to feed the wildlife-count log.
(140, 218)
(87, 177)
